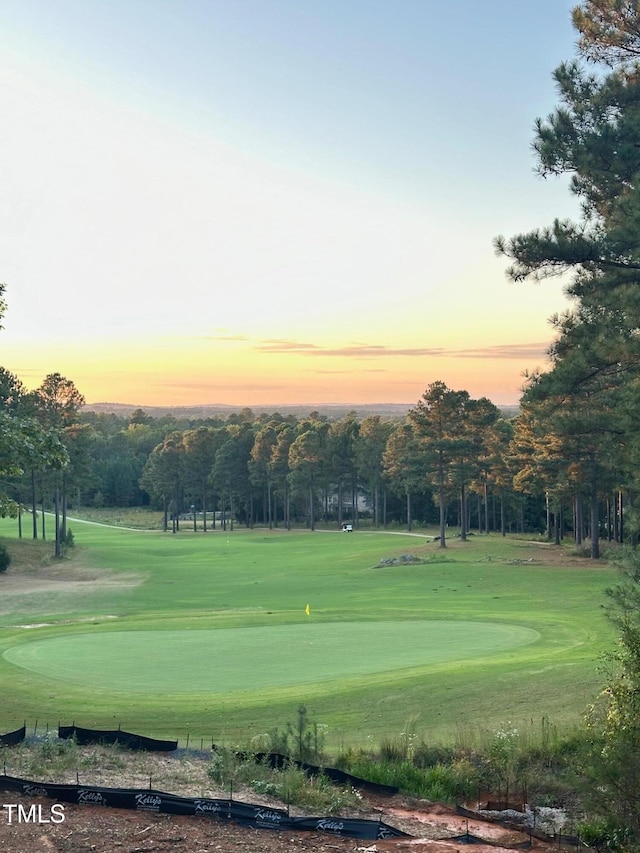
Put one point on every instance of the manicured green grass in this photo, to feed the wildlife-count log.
(207, 635)
(233, 659)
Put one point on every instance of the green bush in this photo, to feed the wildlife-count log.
(229, 767)
(290, 784)
(393, 749)
(5, 558)
(451, 783)
(605, 835)
(428, 755)
(302, 739)
(317, 793)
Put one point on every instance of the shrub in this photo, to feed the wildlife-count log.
(5, 558)
(278, 741)
(605, 835)
(393, 750)
(302, 739)
(290, 784)
(317, 793)
(229, 767)
(307, 736)
(428, 755)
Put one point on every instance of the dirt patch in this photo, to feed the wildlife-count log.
(98, 830)
(549, 554)
(92, 619)
(90, 828)
(37, 589)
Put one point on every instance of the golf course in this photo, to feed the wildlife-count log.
(222, 636)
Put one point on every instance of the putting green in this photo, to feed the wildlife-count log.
(232, 659)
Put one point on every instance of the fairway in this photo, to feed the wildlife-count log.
(222, 661)
(208, 635)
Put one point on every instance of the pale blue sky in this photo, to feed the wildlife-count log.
(325, 175)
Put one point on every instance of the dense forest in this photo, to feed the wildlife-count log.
(452, 460)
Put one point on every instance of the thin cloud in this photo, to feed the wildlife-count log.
(498, 351)
(535, 350)
(346, 372)
(279, 345)
(224, 338)
(351, 350)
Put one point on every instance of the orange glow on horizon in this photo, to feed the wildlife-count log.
(202, 372)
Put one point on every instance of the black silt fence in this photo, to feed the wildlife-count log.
(108, 736)
(274, 759)
(13, 738)
(342, 778)
(277, 761)
(244, 814)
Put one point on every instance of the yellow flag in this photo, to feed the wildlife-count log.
(307, 610)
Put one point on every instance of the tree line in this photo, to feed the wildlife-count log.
(453, 461)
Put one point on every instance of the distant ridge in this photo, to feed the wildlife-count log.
(331, 411)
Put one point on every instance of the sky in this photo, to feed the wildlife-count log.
(275, 201)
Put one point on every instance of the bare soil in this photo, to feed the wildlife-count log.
(89, 828)
(55, 588)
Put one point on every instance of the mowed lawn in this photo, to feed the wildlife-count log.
(207, 635)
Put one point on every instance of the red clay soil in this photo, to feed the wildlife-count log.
(89, 829)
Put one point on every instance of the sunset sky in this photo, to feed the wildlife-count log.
(274, 201)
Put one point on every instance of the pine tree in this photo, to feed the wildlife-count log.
(594, 136)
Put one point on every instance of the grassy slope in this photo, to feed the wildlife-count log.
(254, 578)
